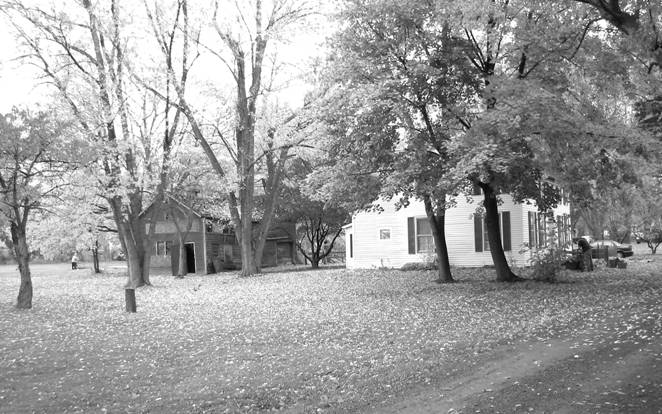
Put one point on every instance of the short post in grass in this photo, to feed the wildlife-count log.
(130, 299)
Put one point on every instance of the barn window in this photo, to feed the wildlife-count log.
(384, 234)
(163, 248)
(160, 248)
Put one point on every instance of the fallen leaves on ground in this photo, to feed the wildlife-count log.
(300, 340)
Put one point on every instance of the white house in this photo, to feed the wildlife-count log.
(393, 237)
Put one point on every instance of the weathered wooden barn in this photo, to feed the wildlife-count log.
(209, 240)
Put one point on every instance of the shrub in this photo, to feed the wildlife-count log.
(411, 266)
(547, 263)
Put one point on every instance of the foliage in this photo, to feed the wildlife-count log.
(637, 23)
(243, 40)
(35, 157)
(36, 149)
(652, 236)
(92, 67)
(319, 220)
(333, 340)
(79, 221)
(404, 88)
(546, 263)
(647, 215)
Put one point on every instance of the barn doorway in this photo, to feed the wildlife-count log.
(190, 257)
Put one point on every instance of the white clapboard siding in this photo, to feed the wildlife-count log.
(369, 251)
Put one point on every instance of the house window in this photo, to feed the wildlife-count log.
(481, 241)
(424, 239)
(538, 228)
(419, 235)
(384, 234)
(533, 229)
(486, 240)
(542, 230)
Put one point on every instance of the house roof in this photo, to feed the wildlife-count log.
(210, 209)
(215, 209)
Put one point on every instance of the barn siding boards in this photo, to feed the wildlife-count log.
(213, 244)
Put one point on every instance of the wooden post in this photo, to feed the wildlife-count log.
(130, 298)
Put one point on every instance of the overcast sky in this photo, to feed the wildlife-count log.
(20, 83)
(17, 80)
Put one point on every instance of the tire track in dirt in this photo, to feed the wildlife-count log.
(597, 371)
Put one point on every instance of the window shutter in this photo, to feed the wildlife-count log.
(411, 235)
(351, 245)
(478, 232)
(505, 235)
(532, 237)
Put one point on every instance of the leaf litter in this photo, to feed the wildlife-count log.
(329, 340)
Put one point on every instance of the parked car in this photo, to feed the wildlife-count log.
(589, 239)
(614, 248)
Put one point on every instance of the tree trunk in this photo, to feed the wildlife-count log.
(653, 247)
(503, 272)
(130, 300)
(131, 235)
(438, 226)
(181, 271)
(95, 257)
(258, 253)
(135, 267)
(141, 241)
(248, 265)
(22, 256)
(315, 261)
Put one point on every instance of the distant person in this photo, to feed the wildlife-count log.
(586, 259)
(74, 262)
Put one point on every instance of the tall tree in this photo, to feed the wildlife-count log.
(527, 54)
(79, 221)
(34, 158)
(404, 60)
(639, 21)
(319, 219)
(84, 53)
(243, 34)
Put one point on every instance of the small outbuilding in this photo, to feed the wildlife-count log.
(209, 239)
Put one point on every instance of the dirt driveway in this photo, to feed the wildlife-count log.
(616, 369)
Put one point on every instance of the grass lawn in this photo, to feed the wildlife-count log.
(332, 340)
